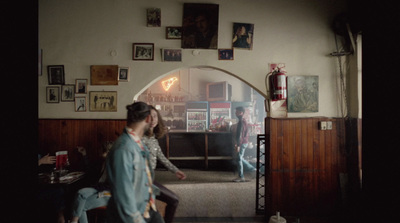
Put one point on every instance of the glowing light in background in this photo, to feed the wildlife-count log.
(168, 83)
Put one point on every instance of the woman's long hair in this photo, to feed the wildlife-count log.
(159, 131)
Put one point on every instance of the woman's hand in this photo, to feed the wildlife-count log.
(181, 175)
(47, 159)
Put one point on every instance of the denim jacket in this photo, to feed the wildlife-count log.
(126, 170)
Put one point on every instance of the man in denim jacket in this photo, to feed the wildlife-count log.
(129, 174)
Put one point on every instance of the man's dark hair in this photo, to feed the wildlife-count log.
(240, 108)
(137, 112)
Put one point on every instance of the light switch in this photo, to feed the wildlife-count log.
(322, 125)
(329, 125)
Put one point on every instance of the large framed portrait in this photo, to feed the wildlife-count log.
(303, 94)
(200, 26)
(56, 74)
(171, 55)
(53, 94)
(243, 35)
(103, 101)
(68, 92)
(143, 51)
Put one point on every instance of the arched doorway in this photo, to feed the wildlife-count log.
(172, 94)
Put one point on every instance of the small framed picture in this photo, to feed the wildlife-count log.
(243, 36)
(123, 73)
(53, 94)
(171, 55)
(81, 86)
(103, 101)
(225, 54)
(56, 74)
(153, 17)
(68, 92)
(173, 32)
(80, 103)
(143, 51)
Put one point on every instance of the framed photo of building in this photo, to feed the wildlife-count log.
(68, 92)
(143, 51)
(303, 94)
(103, 101)
(153, 17)
(123, 73)
(81, 86)
(173, 32)
(80, 103)
(225, 54)
(53, 94)
(56, 74)
(171, 55)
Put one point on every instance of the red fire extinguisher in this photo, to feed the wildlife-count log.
(277, 85)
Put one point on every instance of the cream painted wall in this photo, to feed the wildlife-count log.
(78, 34)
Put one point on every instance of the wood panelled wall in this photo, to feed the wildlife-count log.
(305, 164)
(66, 134)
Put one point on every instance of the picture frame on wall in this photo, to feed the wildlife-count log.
(243, 36)
(171, 55)
(123, 74)
(68, 92)
(80, 103)
(225, 54)
(103, 101)
(143, 51)
(153, 17)
(303, 94)
(104, 74)
(53, 94)
(56, 74)
(173, 32)
(200, 26)
(81, 86)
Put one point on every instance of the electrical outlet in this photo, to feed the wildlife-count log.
(329, 125)
(322, 125)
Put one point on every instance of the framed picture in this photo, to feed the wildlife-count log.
(200, 26)
(153, 17)
(81, 86)
(243, 35)
(68, 92)
(173, 32)
(225, 54)
(123, 73)
(103, 101)
(104, 74)
(174, 55)
(302, 94)
(52, 94)
(143, 51)
(56, 74)
(80, 103)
